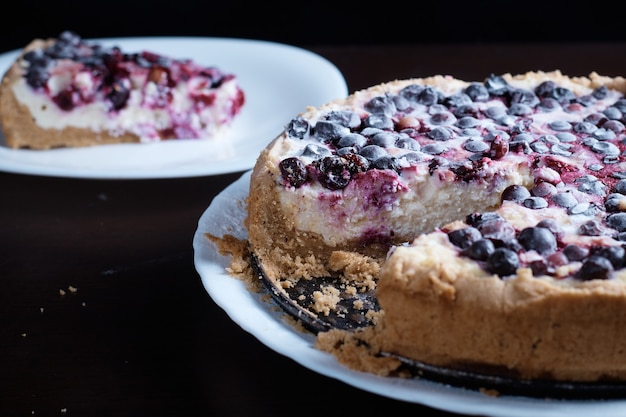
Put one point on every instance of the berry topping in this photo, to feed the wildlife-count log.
(571, 143)
(75, 73)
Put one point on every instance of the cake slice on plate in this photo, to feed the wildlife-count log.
(69, 92)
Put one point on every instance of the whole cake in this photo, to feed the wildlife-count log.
(494, 210)
(68, 92)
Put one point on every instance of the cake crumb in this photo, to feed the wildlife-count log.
(326, 300)
(72, 289)
(61, 292)
(239, 266)
(353, 350)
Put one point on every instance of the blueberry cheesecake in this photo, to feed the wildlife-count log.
(495, 210)
(69, 92)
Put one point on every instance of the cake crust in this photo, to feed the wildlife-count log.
(444, 310)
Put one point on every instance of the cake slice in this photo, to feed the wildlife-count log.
(68, 92)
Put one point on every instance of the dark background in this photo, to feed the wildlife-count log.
(149, 340)
(305, 23)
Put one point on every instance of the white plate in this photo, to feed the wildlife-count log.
(279, 81)
(265, 322)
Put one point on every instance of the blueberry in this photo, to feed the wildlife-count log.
(411, 92)
(595, 267)
(356, 163)
(575, 253)
(566, 137)
(480, 250)
(620, 186)
(612, 113)
(293, 172)
(327, 131)
(615, 254)
(564, 200)
(497, 229)
(548, 104)
(440, 133)
(355, 140)
(543, 189)
(552, 226)
(549, 89)
(475, 219)
(590, 228)
(605, 148)
(373, 152)
(520, 109)
(614, 125)
(503, 262)
(477, 92)
(469, 110)
(535, 203)
(386, 162)
(298, 127)
(381, 105)
(407, 142)
(457, 100)
(614, 202)
(601, 92)
(442, 118)
(476, 146)
(344, 118)
(315, 151)
(496, 85)
(119, 94)
(495, 112)
(515, 192)
(522, 96)
(539, 239)
(560, 125)
(467, 122)
(334, 174)
(464, 237)
(384, 139)
(617, 221)
(585, 127)
(429, 96)
(436, 148)
(380, 121)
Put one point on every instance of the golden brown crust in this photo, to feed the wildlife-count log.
(531, 327)
(20, 129)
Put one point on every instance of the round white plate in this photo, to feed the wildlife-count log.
(279, 81)
(263, 320)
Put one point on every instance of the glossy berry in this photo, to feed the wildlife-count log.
(333, 173)
(539, 239)
(595, 267)
(503, 262)
(480, 250)
(464, 237)
(293, 172)
(515, 193)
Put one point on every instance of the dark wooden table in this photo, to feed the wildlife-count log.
(135, 333)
